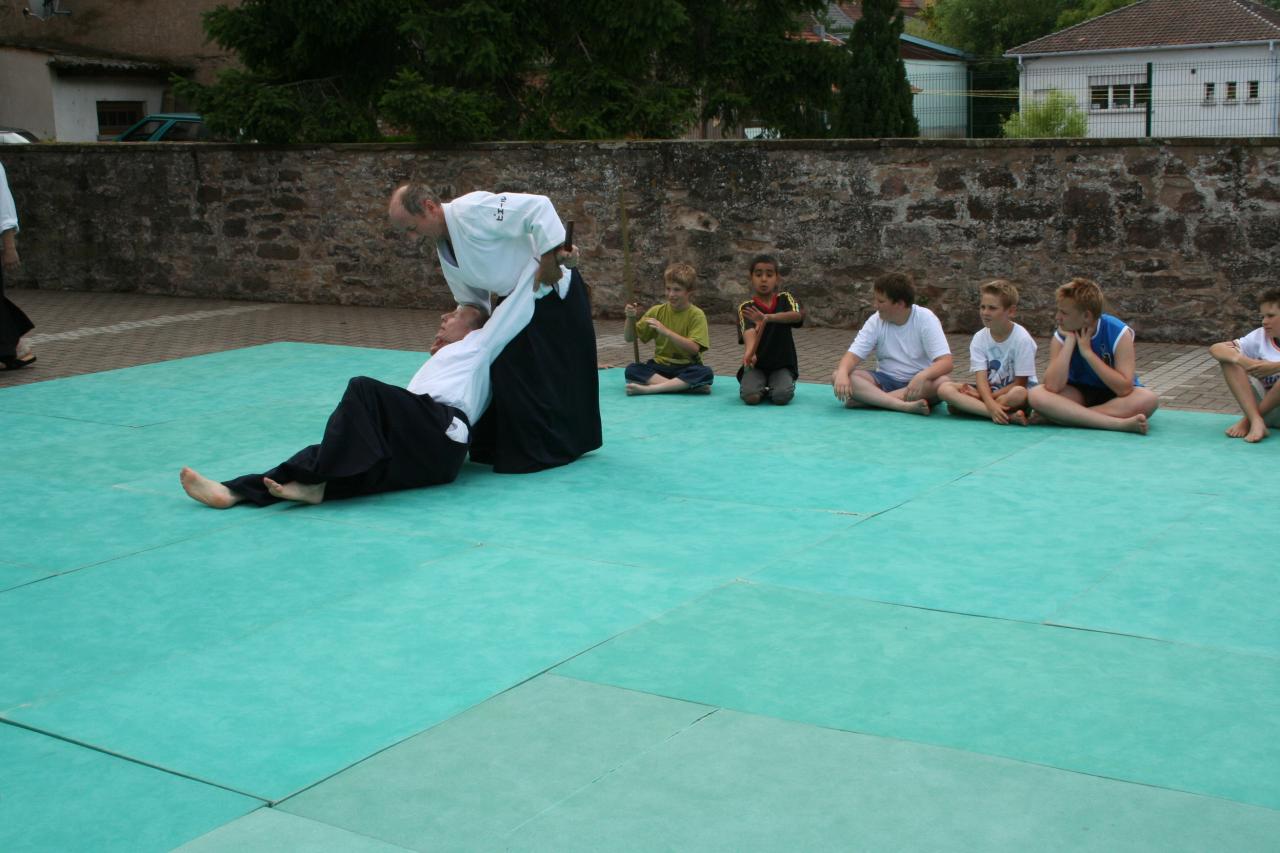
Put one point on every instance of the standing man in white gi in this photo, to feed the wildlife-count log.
(546, 407)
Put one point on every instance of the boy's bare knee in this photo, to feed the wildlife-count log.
(1038, 395)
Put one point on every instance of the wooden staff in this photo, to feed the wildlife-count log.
(628, 281)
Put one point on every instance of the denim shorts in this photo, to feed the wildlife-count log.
(887, 383)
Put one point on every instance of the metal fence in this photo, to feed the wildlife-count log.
(1161, 99)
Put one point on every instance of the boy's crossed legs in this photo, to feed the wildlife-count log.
(963, 398)
(654, 378)
(1070, 407)
(1261, 410)
(879, 390)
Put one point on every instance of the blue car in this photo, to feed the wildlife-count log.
(166, 127)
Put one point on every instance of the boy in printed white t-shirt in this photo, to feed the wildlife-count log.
(913, 357)
(1251, 368)
(1002, 357)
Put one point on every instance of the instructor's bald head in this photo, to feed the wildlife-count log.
(415, 209)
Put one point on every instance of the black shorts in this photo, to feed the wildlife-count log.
(1094, 395)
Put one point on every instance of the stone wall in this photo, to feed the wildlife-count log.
(1182, 235)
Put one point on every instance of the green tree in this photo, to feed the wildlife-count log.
(875, 97)
(987, 28)
(1088, 9)
(1056, 116)
(458, 70)
(747, 68)
(313, 69)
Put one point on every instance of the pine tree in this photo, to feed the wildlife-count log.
(448, 71)
(875, 97)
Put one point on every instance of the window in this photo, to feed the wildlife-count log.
(1231, 93)
(1119, 92)
(1253, 90)
(184, 131)
(143, 132)
(1208, 93)
(115, 117)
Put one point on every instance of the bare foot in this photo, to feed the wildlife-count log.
(307, 493)
(208, 492)
(1136, 424)
(1239, 429)
(917, 407)
(1018, 417)
(1037, 419)
(634, 388)
(1258, 432)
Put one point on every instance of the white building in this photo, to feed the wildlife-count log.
(1164, 68)
(70, 98)
(939, 78)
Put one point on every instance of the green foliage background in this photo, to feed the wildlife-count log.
(461, 70)
(1056, 116)
(449, 71)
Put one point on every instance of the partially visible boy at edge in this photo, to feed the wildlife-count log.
(769, 365)
(680, 328)
(1251, 368)
(1091, 380)
(1002, 357)
(913, 357)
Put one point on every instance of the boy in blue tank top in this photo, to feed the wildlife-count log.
(1091, 380)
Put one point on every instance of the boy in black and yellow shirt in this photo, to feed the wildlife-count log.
(769, 369)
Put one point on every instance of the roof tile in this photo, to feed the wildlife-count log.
(1162, 23)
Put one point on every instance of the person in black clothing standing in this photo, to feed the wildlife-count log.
(14, 323)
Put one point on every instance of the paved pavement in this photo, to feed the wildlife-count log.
(80, 333)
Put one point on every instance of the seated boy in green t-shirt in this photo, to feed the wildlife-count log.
(680, 328)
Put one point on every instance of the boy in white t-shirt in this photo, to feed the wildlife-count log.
(1251, 368)
(1002, 357)
(912, 354)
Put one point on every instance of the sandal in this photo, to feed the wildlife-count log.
(15, 363)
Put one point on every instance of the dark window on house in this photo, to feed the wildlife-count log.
(1253, 90)
(1231, 92)
(1121, 97)
(1208, 93)
(1100, 97)
(115, 117)
(1141, 94)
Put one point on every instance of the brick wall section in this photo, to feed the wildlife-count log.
(148, 30)
(1182, 235)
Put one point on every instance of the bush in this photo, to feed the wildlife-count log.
(1057, 115)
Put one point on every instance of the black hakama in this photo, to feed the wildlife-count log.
(546, 390)
(380, 438)
(14, 323)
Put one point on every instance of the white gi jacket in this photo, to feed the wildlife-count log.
(9, 211)
(458, 374)
(494, 235)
